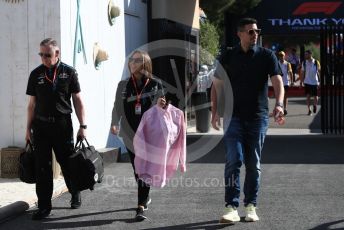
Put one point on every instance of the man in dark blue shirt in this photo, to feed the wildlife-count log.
(248, 67)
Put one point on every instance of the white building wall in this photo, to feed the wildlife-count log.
(98, 87)
(19, 40)
(23, 25)
(135, 24)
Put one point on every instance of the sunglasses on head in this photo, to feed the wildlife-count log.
(47, 55)
(253, 31)
(136, 60)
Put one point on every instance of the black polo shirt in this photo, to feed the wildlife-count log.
(53, 98)
(248, 74)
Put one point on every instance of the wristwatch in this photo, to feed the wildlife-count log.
(280, 104)
(83, 126)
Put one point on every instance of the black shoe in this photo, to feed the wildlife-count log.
(309, 113)
(285, 112)
(314, 108)
(145, 206)
(140, 215)
(41, 214)
(75, 202)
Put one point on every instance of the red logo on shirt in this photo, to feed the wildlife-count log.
(317, 7)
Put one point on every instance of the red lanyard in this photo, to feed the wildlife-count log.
(54, 77)
(138, 95)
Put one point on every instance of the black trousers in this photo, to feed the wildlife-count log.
(58, 136)
(143, 188)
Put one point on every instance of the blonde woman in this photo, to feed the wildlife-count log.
(135, 96)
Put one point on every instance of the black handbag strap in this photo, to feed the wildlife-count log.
(30, 145)
(80, 143)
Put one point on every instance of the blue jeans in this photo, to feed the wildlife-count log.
(244, 142)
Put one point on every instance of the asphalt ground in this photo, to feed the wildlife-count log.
(292, 196)
(297, 117)
(302, 188)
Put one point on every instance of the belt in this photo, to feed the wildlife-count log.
(51, 119)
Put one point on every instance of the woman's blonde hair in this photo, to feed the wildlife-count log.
(146, 62)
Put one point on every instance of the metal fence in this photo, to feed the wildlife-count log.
(332, 79)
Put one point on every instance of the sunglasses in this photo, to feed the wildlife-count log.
(45, 55)
(136, 60)
(253, 31)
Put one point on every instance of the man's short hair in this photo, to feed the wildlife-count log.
(308, 51)
(49, 41)
(245, 21)
(281, 53)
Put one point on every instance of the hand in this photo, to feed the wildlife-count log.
(28, 135)
(161, 102)
(215, 121)
(114, 129)
(81, 134)
(279, 115)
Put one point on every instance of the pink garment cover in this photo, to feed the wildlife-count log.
(160, 145)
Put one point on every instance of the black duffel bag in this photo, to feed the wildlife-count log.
(86, 167)
(27, 164)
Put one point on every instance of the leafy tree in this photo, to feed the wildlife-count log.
(315, 50)
(215, 10)
(242, 6)
(209, 41)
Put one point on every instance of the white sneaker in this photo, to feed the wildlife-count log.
(231, 215)
(251, 215)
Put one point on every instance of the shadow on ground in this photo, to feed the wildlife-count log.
(288, 149)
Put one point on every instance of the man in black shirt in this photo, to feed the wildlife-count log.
(248, 67)
(50, 88)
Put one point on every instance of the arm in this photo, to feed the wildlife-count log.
(80, 113)
(118, 107)
(302, 75)
(277, 84)
(216, 87)
(114, 123)
(30, 116)
(160, 96)
(290, 72)
(319, 69)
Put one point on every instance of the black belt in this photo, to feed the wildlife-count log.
(51, 119)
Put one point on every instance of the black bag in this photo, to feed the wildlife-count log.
(27, 164)
(86, 167)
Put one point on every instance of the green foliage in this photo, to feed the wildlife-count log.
(212, 9)
(315, 50)
(242, 6)
(209, 42)
(216, 9)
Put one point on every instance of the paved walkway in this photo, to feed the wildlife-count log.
(297, 120)
(13, 190)
(15, 196)
(292, 197)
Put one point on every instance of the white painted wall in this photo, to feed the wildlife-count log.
(19, 41)
(23, 25)
(135, 24)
